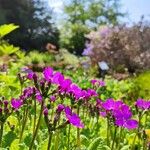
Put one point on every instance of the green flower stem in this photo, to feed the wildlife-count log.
(57, 140)
(114, 138)
(144, 139)
(50, 140)
(52, 113)
(37, 127)
(34, 121)
(108, 125)
(120, 138)
(68, 142)
(78, 131)
(24, 124)
(137, 132)
(1, 133)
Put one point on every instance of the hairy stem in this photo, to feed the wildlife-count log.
(1, 134)
(24, 124)
(78, 131)
(37, 127)
(114, 138)
(49, 140)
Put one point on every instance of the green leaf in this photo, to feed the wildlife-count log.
(7, 49)
(7, 28)
(8, 138)
(44, 144)
(126, 147)
(15, 145)
(94, 145)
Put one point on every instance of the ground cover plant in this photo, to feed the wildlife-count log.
(52, 112)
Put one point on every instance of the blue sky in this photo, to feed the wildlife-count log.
(135, 8)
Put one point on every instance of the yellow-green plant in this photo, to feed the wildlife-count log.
(5, 47)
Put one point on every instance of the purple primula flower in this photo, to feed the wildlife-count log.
(84, 95)
(5, 103)
(38, 96)
(45, 111)
(101, 83)
(73, 118)
(74, 88)
(30, 75)
(109, 104)
(129, 123)
(122, 112)
(16, 103)
(28, 92)
(65, 85)
(60, 107)
(57, 78)
(142, 104)
(103, 114)
(48, 73)
(52, 98)
(98, 82)
(75, 91)
(99, 103)
(94, 81)
(92, 92)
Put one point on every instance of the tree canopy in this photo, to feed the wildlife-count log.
(34, 19)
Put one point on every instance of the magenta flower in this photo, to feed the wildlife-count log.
(48, 73)
(98, 82)
(65, 85)
(5, 103)
(103, 114)
(57, 78)
(16, 103)
(28, 92)
(45, 112)
(60, 107)
(101, 83)
(142, 104)
(92, 92)
(129, 123)
(75, 91)
(123, 112)
(109, 104)
(38, 96)
(31, 76)
(73, 118)
(94, 81)
(99, 103)
(52, 98)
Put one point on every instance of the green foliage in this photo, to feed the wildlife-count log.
(141, 85)
(83, 16)
(35, 21)
(5, 47)
(6, 29)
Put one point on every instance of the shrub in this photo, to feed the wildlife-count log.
(121, 46)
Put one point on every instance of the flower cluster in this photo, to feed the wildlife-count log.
(98, 82)
(119, 111)
(142, 104)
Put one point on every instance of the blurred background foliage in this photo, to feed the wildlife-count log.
(35, 21)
